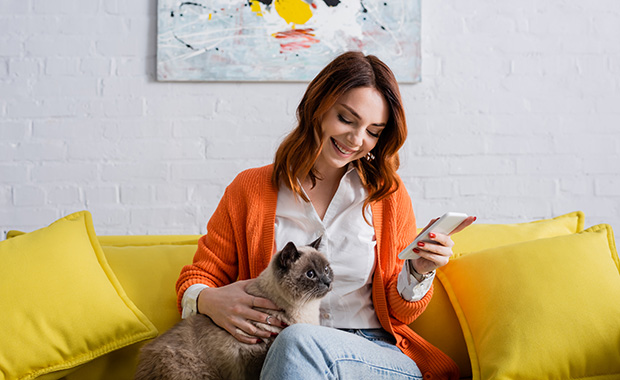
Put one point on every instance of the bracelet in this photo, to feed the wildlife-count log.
(418, 276)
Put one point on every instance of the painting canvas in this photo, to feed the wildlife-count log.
(282, 40)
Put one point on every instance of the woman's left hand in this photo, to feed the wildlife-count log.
(437, 254)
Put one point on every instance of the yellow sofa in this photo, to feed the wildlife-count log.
(538, 300)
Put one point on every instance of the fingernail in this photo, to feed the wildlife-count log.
(284, 324)
(475, 217)
(420, 244)
(431, 235)
(274, 334)
(416, 250)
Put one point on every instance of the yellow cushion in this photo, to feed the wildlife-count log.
(481, 236)
(439, 324)
(543, 309)
(148, 273)
(61, 304)
(147, 240)
(134, 240)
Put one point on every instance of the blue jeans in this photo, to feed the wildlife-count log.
(305, 351)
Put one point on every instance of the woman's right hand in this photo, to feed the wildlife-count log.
(232, 308)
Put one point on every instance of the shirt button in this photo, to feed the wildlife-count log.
(325, 315)
(428, 375)
(405, 343)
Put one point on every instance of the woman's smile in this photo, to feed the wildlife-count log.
(340, 148)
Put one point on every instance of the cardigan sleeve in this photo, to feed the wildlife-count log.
(242, 224)
(406, 311)
(215, 262)
(399, 231)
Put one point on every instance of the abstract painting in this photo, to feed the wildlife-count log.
(282, 40)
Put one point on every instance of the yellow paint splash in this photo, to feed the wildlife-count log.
(255, 7)
(293, 11)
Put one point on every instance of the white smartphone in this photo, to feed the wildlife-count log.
(444, 225)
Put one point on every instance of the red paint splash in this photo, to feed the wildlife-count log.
(296, 39)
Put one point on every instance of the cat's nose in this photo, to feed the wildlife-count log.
(326, 280)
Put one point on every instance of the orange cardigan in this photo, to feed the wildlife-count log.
(240, 242)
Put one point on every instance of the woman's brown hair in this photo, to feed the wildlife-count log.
(298, 152)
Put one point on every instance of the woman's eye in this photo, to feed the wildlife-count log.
(375, 135)
(310, 273)
(343, 120)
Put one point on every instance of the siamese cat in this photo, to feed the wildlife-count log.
(196, 348)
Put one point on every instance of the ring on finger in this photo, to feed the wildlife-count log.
(268, 320)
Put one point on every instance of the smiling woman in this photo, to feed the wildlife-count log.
(334, 176)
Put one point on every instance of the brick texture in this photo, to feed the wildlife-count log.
(517, 117)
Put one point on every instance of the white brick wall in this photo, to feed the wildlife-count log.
(517, 117)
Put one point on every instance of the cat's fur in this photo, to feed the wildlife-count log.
(196, 348)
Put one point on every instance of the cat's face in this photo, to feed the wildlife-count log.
(303, 272)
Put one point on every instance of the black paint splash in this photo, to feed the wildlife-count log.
(180, 14)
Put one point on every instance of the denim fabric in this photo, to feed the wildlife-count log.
(304, 351)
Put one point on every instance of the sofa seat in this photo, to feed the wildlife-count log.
(479, 314)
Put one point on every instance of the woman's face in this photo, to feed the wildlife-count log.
(351, 128)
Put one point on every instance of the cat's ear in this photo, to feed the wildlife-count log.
(315, 244)
(289, 255)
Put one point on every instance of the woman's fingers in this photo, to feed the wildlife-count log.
(264, 318)
(242, 336)
(465, 223)
(263, 303)
(437, 253)
(441, 240)
(245, 326)
(433, 255)
(243, 315)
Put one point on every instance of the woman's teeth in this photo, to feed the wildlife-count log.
(341, 149)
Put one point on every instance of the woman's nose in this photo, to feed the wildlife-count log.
(356, 138)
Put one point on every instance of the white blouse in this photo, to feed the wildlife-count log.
(347, 241)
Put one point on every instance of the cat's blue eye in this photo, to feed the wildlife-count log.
(310, 273)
